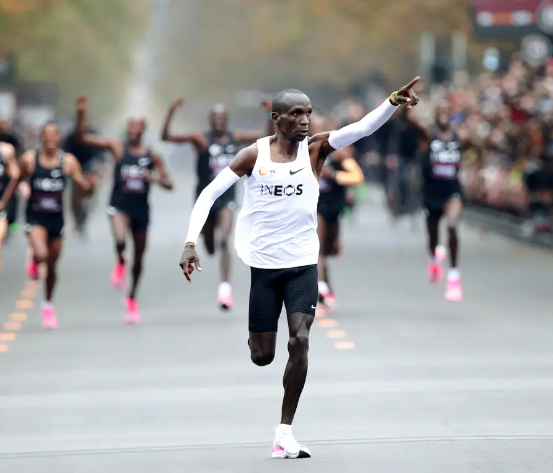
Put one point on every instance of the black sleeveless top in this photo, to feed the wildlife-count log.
(330, 192)
(47, 186)
(212, 161)
(130, 188)
(441, 163)
(4, 177)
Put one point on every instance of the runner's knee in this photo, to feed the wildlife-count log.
(40, 255)
(262, 356)
(298, 345)
(262, 351)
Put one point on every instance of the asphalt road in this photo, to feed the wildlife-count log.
(399, 379)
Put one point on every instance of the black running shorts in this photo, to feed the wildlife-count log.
(54, 226)
(330, 211)
(139, 220)
(434, 204)
(10, 212)
(221, 203)
(296, 288)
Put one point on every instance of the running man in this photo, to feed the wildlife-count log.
(441, 151)
(129, 207)
(9, 136)
(9, 178)
(340, 171)
(215, 150)
(89, 159)
(276, 234)
(47, 169)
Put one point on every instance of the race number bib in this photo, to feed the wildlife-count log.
(218, 163)
(134, 185)
(49, 204)
(444, 171)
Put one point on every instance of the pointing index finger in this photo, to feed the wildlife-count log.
(412, 83)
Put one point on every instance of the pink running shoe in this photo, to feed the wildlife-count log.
(133, 315)
(226, 302)
(454, 291)
(435, 272)
(330, 300)
(49, 319)
(326, 301)
(32, 270)
(118, 277)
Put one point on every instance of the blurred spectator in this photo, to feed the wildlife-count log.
(9, 135)
(90, 159)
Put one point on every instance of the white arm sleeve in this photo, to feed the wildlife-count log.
(215, 189)
(348, 135)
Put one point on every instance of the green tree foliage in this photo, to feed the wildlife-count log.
(81, 45)
(269, 43)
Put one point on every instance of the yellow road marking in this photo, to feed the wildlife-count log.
(18, 316)
(336, 334)
(29, 293)
(327, 323)
(7, 337)
(344, 345)
(12, 326)
(24, 304)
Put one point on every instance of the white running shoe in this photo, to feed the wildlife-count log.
(286, 446)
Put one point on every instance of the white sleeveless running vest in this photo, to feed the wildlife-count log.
(277, 224)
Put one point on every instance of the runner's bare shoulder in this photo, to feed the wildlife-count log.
(244, 161)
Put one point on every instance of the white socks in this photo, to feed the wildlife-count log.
(323, 287)
(283, 429)
(453, 273)
(47, 305)
(225, 289)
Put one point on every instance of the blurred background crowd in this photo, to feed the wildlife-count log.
(490, 58)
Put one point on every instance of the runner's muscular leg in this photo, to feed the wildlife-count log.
(299, 325)
(453, 211)
(54, 251)
(119, 227)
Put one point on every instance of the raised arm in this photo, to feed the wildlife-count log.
(240, 166)
(197, 139)
(323, 144)
(72, 168)
(163, 178)
(12, 170)
(351, 175)
(26, 168)
(251, 137)
(90, 139)
(413, 122)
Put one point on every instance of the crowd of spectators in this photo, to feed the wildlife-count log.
(510, 113)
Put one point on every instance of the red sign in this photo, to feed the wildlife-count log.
(507, 18)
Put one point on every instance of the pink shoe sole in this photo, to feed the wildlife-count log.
(49, 322)
(453, 297)
(226, 303)
(132, 319)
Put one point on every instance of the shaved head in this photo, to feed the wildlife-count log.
(286, 98)
(218, 108)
